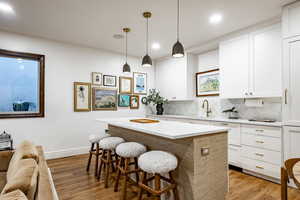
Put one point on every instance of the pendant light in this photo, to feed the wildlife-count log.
(126, 67)
(147, 61)
(178, 49)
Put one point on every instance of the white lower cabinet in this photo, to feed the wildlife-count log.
(261, 150)
(234, 155)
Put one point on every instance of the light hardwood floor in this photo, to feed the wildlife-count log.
(73, 182)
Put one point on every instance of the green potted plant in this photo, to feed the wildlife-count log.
(155, 99)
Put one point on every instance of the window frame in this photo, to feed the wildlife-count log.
(41, 60)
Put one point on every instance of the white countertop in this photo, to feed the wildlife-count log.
(166, 129)
(240, 121)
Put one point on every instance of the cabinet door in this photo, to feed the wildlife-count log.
(291, 140)
(291, 20)
(234, 68)
(171, 78)
(266, 62)
(291, 81)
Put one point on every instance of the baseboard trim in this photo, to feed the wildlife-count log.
(66, 152)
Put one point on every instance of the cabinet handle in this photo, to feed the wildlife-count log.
(224, 124)
(246, 93)
(173, 97)
(251, 93)
(259, 167)
(260, 142)
(285, 96)
(260, 154)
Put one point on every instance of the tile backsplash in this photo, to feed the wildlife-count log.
(271, 108)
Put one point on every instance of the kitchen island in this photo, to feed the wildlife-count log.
(201, 150)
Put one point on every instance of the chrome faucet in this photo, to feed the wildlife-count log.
(207, 107)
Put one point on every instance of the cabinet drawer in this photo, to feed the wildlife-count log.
(273, 157)
(234, 133)
(234, 155)
(262, 130)
(260, 141)
(260, 167)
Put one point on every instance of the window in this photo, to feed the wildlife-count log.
(21, 84)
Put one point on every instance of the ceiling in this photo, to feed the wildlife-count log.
(92, 23)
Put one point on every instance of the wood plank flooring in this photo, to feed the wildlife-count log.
(74, 183)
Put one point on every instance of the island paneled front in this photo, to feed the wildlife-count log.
(201, 150)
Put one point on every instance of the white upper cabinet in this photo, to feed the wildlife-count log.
(291, 81)
(234, 67)
(265, 72)
(291, 20)
(250, 65)
(175, 77)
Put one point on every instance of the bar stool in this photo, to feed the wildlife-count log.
(94, 140)
(128, 151)
(108, 146)
(157, 163)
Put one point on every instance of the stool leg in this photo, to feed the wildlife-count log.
(124, 188)
(136, 168)
(97, 159)
(101, 163)
(175, 192)
(157, 185)
(90, 157)
(143, 180)
(120, 163)
(108, 161)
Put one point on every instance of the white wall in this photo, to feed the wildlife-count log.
(63, 132)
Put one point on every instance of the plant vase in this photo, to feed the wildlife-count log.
(159, 109)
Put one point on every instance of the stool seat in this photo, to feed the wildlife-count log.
(110, 143)
(130, 149)
(158, 162)
(96, 138)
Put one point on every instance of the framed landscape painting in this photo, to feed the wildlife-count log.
(134, 102)
(125, 85)
(124, 100)
(82, 97)
(139, 83)
(96, 78)
(207, 83)
(104, 99)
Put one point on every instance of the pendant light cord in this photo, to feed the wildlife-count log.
(126, 48)
(178, 20)
(147, 37)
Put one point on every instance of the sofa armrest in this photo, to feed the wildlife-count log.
(5, 157)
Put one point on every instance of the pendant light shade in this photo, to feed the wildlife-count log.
(126, 67)
(147, 61)
(178, 49)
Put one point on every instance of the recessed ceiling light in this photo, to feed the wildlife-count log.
(155, 46)
(6, 8)
(215, 18)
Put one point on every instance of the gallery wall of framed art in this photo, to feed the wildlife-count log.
(108, 92)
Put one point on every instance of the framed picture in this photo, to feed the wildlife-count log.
(139, 83)
(96, 78)
(125, 85)
(104, 99)
(134, 102)
(124, 100)
(82, 97)
(109, 80)
(207, 83)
